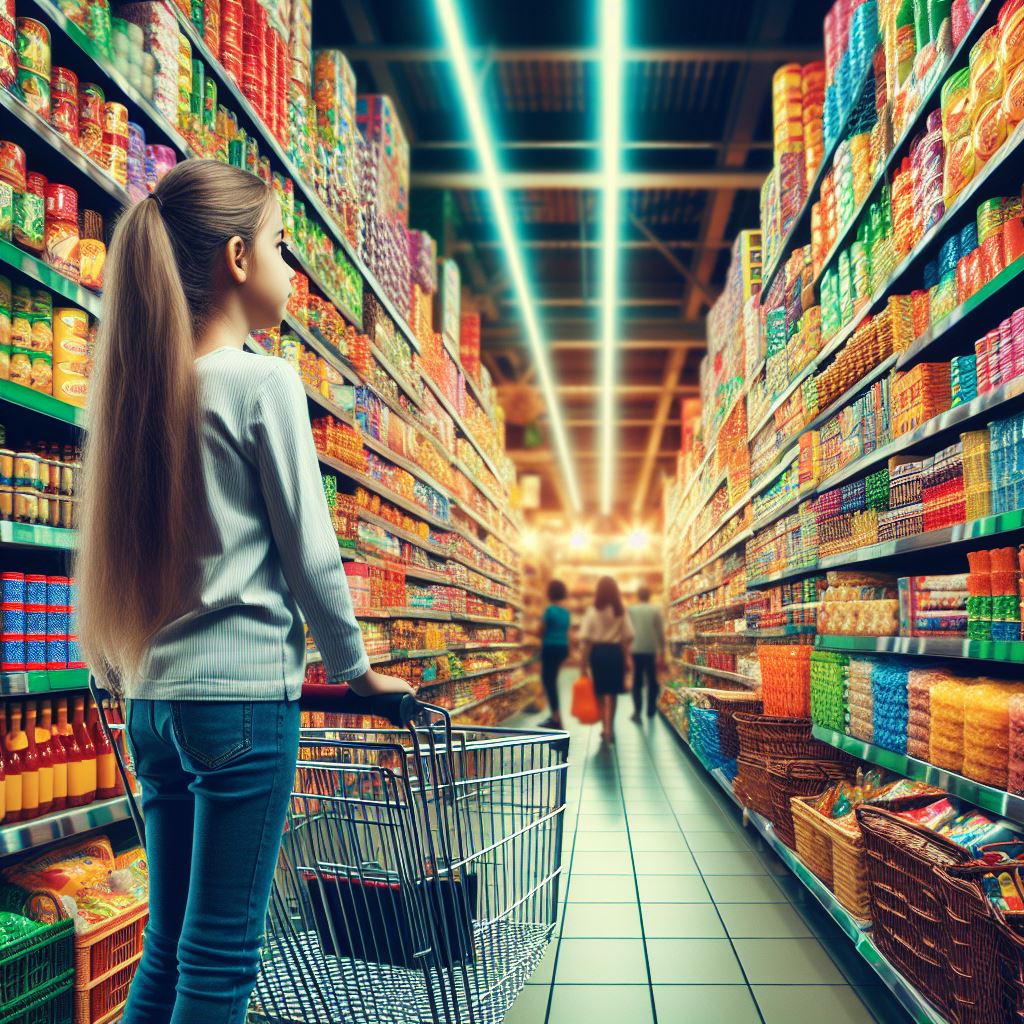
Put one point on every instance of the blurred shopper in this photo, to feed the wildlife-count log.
(554, 648)
(648, 652)
(607, 635)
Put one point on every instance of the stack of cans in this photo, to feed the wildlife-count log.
(160, 39)
(115, 141)
(36, 623)
(8, 45)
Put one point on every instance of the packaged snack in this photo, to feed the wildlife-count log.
(933, 816)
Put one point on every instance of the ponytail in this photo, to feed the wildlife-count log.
(143, 515)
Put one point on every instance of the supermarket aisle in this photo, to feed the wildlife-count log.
(675, 913)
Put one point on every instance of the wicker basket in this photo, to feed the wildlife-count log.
(788, 779)
(985, 952)
(727, 705)
(751, 784)
(907, 901)
(787, 739)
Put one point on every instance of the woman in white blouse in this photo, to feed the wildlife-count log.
(607, 636)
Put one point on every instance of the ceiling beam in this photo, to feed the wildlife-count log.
(656, 145)
(627, 390)
(474, 181)
(771, 54)
(673, 260)
(673, 367)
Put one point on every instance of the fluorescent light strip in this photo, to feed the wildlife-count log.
(611, 144)
(456, 42)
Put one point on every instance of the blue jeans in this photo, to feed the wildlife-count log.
(216, 780)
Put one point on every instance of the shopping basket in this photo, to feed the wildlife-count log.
(419, 873)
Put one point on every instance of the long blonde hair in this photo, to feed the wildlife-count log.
(143, 514)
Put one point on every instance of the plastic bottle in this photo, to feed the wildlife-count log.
(88, 763)
(13, 783)
(58, 756)
(17, 742)
(76, 771)
(40, 742)
(106, 765)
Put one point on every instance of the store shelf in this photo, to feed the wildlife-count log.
(29, 835)
(989, 526)
(424, 614)
(41, 273)
(465, 708)
(14, 684)
(919, 1009)
(24, 535)
(43, 131)
(721, 673)
(775, 632)
(483, 620)
(492, 671)
(1010, 651)
(377, 487)
(741, 538)
(991, 799)
(707, 613)
(45, 405)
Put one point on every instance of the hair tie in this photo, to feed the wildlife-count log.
(159, 202)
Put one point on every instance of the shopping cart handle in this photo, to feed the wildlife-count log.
(339, 699)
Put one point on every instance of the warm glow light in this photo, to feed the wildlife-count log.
(611, 143)
(530, 539)
(578, 540)
(637, 540)
(455, 39)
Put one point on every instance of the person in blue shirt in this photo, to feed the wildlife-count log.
(554, 648)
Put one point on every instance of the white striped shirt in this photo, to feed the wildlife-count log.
(274, 549)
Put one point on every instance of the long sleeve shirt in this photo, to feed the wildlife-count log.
(273, 549)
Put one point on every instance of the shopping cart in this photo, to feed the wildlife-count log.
(418, 880)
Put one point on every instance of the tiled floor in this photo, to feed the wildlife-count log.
(675, 913)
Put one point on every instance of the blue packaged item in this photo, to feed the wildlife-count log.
(35, 590)
(74, 653)
(13, 588)
(14, 654)
(58, 592)
(35, 653)
(35, 621)
(56, 653)
(12, 620)
(949, 255)
(58, 623)
(931, 275)
(969, 238)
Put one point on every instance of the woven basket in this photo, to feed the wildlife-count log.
(835, 855)
(782, 738)
(751, 784)
(727, 705)
(985, 952)
(907, 904)
(788, 779)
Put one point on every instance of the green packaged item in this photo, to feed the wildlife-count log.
(197, 97)
(236, 153)
(98, 26)
(198, 15)
(210, 105)
(6, 211)
(29, 220)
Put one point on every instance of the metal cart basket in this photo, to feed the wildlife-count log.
(418, 879)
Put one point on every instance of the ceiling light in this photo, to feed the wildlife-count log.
(611, 174)
(579, 539)
(638, 539)
(456, 43)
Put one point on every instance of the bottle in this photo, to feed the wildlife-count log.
(106, 764)
(17, 742)
(58, 757)
(12, 770)
(85, 744)
(76, 771)
(40, 741)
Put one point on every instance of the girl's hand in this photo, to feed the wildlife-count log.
(375, 683)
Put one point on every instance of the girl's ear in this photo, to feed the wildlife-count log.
(236, 259)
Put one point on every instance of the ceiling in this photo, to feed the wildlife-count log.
(697, 145)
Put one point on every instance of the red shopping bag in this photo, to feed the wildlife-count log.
(584, 701)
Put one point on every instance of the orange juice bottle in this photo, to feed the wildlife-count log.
(77, 780)
(40, 742)
(85, 744)
(106, 765)
(17, 743)
(58, 756)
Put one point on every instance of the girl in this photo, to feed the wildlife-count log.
(554, 648)
(607, 636)
(203, 530)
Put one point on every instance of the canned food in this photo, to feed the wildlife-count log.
(35, 589)
(35, 614)
(35, 91)
(91, 103)
(8, 64)
(6, 211)
(26, 470)
(35, 653)
(6, 467)
(12, 587)
(64, 117)
(13, 654)
(33, 39)
(67, 478)
(12, 165)
(115, 119)
(68, 514)
(43, 517)
(29, 220)
(42, 372)
(26, 505)
(12, 619)
(65, 82)
(61, 202)
(90, 139)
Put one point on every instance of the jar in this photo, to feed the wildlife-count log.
(42, 508)
(6, 502)
(6, 467)
(67, 478)
(26, 470)
(26, 504)
(49, 476)
(55, 510)
(68, 514)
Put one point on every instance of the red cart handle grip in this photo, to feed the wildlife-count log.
(339, 699)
